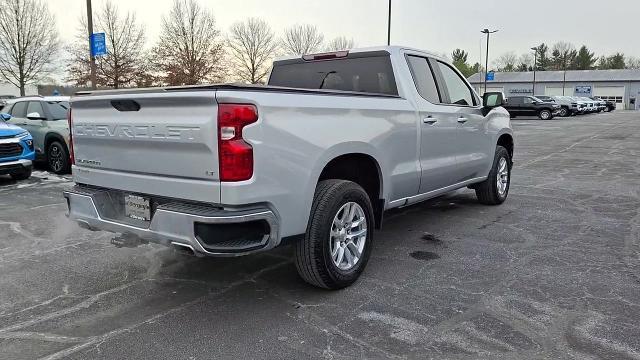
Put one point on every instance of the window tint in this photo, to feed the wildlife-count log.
(58, 109)
(35, 107)
(371, 74)
(423, 78)
(459, 92)
(528, 100)
(19, 109)
(516, 100)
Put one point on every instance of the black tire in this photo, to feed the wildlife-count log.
(313, 255)
(487, 191)
(58, 159)
(545, 114)
(24, 175)
(564, 112)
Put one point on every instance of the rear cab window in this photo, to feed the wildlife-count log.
(423, 78)
(369, 73)
(457, 89)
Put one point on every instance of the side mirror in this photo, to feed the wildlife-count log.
(491, 100)
(35, 116)
(5, 116)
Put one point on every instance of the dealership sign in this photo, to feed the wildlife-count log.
(521, 91)
(583, 90)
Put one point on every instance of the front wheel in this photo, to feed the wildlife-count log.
(545, 115)
(339, 236)
(495, 189)
(58, 158)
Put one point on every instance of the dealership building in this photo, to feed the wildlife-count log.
(619, 86)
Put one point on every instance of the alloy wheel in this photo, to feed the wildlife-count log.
(348, 236)
(502, 177)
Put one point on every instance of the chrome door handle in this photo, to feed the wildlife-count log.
(462, 119)
(429, 120)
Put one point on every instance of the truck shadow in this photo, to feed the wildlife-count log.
(402, 228)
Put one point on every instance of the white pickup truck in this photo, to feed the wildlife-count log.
(315, 157)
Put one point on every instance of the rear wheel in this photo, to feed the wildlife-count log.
(545, 115)
(339, 236)
(564, 112)
(58, 158)
(495, 189)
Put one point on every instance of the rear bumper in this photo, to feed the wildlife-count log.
(185, 225)
(14, 167)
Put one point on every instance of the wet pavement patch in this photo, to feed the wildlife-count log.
(424, 255)
(431, 238)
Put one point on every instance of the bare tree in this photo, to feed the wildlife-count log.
(252, 45)
(506, 62)
(124, 62)
(525, 62)
(28, 41)
(563, 54)
(302, 39)
(340, 43)
(190, 49)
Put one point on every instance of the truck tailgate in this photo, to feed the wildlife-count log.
(147, 140)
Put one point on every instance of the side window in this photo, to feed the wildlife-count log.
(515, 100)
(423, 78)
(35, 107)
(459, 92)
(19, 109)
(528, 100)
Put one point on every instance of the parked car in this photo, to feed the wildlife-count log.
(602, 105)
(315, 157)
(4, 99)
(46, 119)
(16, 150)
(568, 106)
(531, 106)
(545, 98)
(592, 106)
(582, 105)
(609, 105)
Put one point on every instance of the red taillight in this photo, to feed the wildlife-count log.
(71, 155)
(235, 156)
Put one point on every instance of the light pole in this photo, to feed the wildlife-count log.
(92, 59)
(389, 26)
(486, 69)
(535, 65)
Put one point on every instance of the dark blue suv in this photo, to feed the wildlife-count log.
(16, 150)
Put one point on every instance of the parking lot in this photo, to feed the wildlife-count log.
(552, 273)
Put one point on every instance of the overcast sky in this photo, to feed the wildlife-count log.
(434, 25)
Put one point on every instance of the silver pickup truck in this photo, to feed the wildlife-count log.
(313, 158)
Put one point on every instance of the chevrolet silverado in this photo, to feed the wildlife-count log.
(313, 158)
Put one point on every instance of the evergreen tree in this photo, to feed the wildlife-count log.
(584, 60)
(543, 61)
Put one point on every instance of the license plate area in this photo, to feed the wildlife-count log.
(137, 207)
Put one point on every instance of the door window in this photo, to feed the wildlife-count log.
(528, 100)
(459, 92)
(19, 110)
(35, 107)
(423, 78)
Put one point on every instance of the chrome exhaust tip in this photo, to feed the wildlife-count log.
(183, 248)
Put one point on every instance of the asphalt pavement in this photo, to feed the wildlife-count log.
(552, 273)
